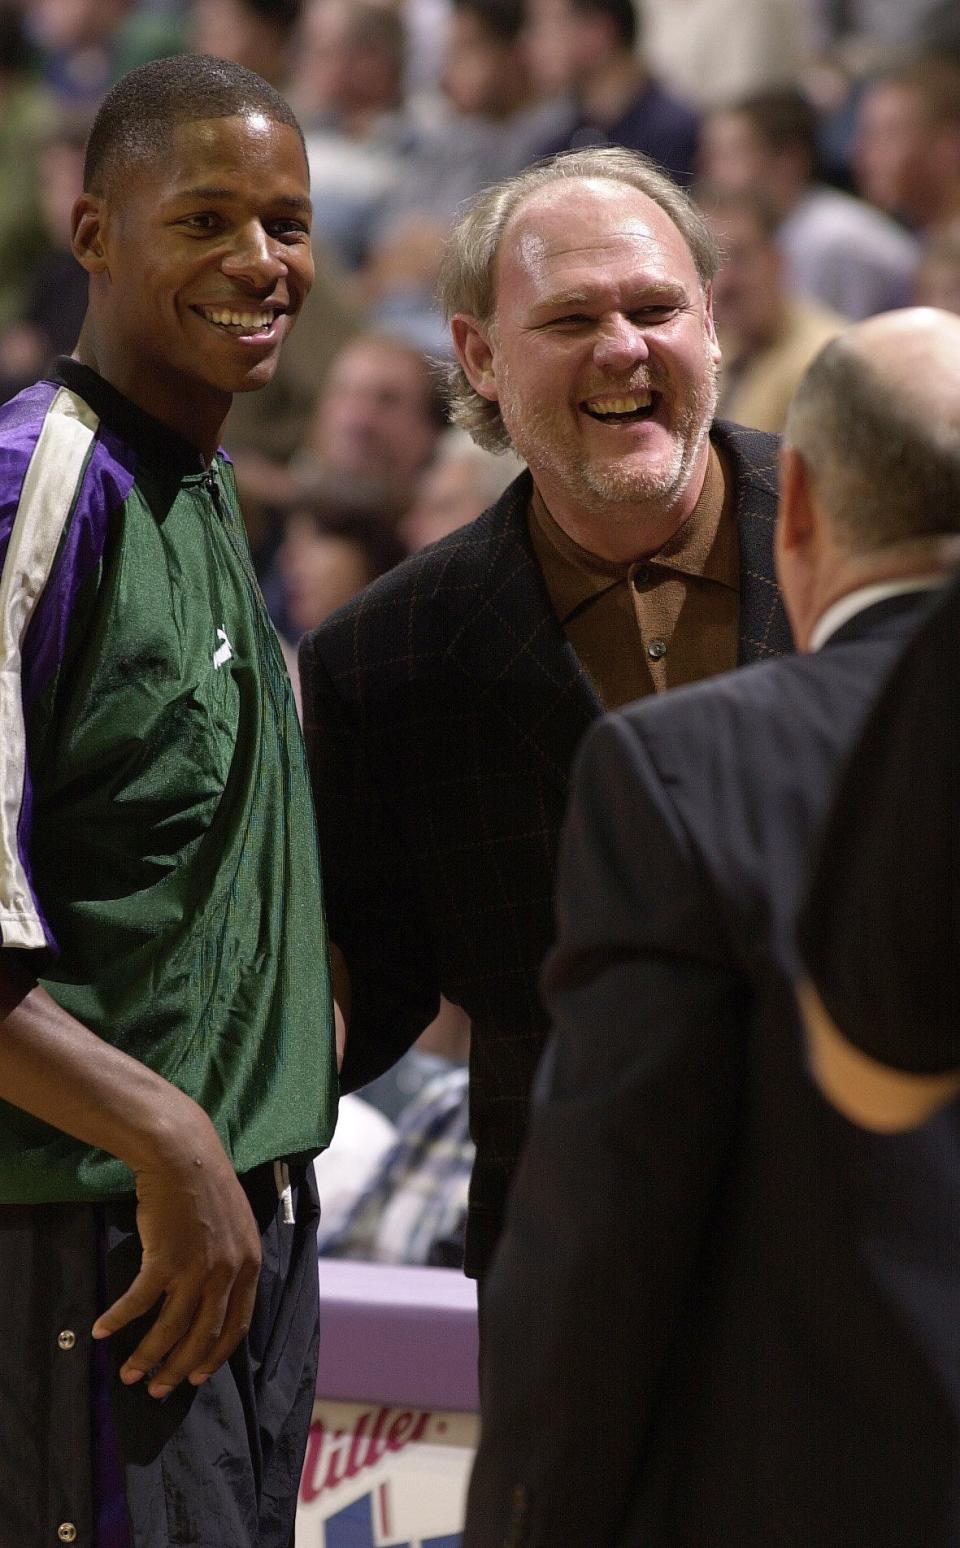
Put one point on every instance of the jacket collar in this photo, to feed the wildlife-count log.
(151, 440)
(893, 614)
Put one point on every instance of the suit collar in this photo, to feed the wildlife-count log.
(896, 614)
(865, 598)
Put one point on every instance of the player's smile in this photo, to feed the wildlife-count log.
(207, 259)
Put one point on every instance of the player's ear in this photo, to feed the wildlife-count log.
(87, 228)
(475, 354)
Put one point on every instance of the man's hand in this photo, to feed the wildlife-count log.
(868, 1093)
(201, 1246)
(201, 1252)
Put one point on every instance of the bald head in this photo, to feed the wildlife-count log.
(915, 357)
(876, 420)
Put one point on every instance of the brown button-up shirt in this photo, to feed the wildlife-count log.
(668, 619)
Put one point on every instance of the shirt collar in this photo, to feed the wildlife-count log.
(153, 441)
(841, 612)
(704, 546)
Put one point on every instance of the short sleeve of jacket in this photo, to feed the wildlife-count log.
(880, 930)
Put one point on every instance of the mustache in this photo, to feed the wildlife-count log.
(637, 382)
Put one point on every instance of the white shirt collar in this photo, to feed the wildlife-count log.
(858, 601)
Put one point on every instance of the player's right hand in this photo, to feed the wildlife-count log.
(201, 1255)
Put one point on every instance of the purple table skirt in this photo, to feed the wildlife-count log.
(397, 1336)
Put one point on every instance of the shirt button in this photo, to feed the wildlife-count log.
(67, 1532)
(656, 650)
(66, 1339)
(641, 577)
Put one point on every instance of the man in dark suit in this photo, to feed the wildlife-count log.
(443, 707)
(720, 1317)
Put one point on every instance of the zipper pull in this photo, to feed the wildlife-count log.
(213, 490)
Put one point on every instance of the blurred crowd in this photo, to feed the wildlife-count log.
(821, 138)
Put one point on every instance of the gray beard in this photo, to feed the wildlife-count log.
(602, 491)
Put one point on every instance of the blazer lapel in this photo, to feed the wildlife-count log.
(751, 457)
(510, 647)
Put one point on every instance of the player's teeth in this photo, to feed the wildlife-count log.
(240, 319)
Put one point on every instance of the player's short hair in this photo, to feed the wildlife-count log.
(138, 115)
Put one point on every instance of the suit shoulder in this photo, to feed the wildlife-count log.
(743, 714)
(740, 767)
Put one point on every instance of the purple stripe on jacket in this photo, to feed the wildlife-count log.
(21, 421)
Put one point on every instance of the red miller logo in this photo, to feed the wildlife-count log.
(334, 1456)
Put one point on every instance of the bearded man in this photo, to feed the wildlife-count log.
(443, 705)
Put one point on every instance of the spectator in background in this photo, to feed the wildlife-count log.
(332, 548)
(861, 32)
(347, 87)
(906, 152)
(590, 48)
(56, 295)
(412, 1207)
(767, 336)
(486, 77)
(494, 121)
(373, 430)
(261, 438)
(353, 1160)
(460, 482)
(86, 45)
(711, 51)
(27, 112)
(376, 422)
(837, 249)
(332, 545)
(257, 34)
(938, 277)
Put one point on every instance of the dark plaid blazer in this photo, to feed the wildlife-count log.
(442, 708)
